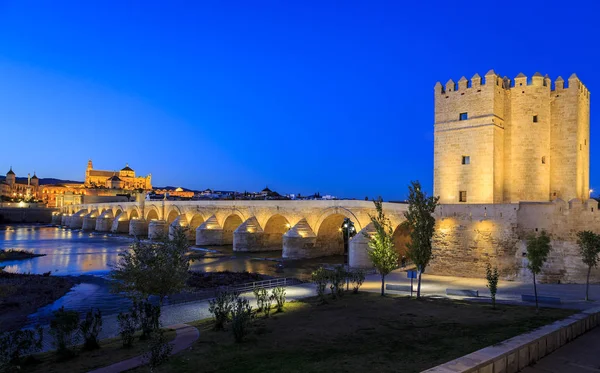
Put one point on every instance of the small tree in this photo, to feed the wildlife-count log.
(319, 278)
(492, 282)
(220, 308)
(358, 277)
(382, 253)
(421, 222)
(90, 328)
(128, 324)
(278, 294)
(589, 249)
(63, 327)
(155, 268)
(538, 248)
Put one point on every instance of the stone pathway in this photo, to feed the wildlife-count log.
(579, 356)
(186, 335)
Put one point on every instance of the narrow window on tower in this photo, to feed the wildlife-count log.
(544, 160)
(466, 159)
(535, 119)
(463, 116)
(462, 196)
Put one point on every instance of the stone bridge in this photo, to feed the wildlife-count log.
(302, 229)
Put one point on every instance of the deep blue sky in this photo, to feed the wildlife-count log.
(302, 96)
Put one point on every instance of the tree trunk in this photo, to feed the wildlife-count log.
(587, 284)
(419, 286)
(382, 285)
(537, 308)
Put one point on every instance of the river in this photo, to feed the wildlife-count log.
(90, 255)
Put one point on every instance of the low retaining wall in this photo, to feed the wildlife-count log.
(516, 353)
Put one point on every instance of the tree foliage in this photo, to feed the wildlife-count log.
(589, 249)
(157, 268)
(491, 275)
(421, 222)
(538, 248)
(381, 244)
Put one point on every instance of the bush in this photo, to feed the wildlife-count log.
(320, 278)
(279, 295)
(337, 277)
(160, 349)
(241, 316)
(148, 316)
(128, 324)
(16, 344)
(90, 328)
(492, 276)
(357, 277)
(220, 308)
(262, 298)
(64, 327)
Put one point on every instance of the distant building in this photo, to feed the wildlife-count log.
(124, 179)
(12, 189)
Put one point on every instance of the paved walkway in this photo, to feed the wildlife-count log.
(579, 356)
(186, 335)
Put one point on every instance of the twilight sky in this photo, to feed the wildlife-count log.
(302, 96)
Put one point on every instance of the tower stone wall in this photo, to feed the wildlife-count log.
(503, 141)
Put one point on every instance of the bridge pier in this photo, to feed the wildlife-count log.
(76, 220)
(249, 236)
(181, 222)
(209, 233)
(357, 249)
(157, 228)
(103, 224)
(299, 242)
(89, 221)
(120, 224)
(138, 227)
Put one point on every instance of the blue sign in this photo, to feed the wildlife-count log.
(411, 274)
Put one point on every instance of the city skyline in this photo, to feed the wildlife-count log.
(302, 98)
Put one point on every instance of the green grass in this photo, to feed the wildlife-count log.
(111, 351)
(359, 333)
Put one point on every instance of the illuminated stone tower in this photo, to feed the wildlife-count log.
(498, 141)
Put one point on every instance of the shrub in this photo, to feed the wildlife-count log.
(279, 295)
(63, 327)
(128, 324)
(160, 349)
(90, 328)
(220, 308)
(148, 316)
(320, 278)
(268, 304)
(262, 297)
(337, 277)
(241, 316)
(14, 345)
(357, 277)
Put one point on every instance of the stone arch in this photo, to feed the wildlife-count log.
(230, 224)
(117, 210)
(172, 215)
(134, 214)
(274, 229)
(337, 211)
(196, 221)
(152, 214)
(329, 235)
(401, 237)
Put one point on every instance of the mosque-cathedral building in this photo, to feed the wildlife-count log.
(123, 179)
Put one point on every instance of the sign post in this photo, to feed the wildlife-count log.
(412, 275)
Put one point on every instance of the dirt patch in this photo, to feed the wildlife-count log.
(21, 295)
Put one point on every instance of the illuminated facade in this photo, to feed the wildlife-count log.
(123, 179)
(13, 189)
(503, 141)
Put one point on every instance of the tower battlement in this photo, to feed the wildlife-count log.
(501, 140)
(477, 82)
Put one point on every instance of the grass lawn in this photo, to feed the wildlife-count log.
(111, 351)
(359, 333)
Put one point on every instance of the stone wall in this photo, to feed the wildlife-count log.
(26, 215)
(470, 236)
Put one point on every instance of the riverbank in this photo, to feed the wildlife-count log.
(22, 294)
(13, 254)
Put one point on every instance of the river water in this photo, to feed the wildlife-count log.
(90, 255)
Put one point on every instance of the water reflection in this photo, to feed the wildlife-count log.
(77, 253)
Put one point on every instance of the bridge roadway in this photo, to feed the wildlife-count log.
(304, 229)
